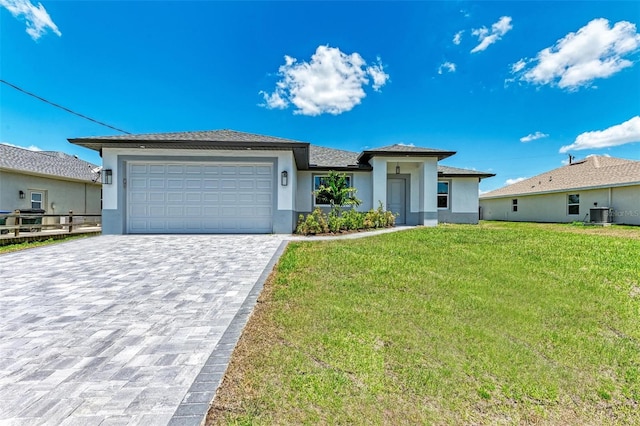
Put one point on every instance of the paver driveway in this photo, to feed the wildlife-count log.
(124, 329)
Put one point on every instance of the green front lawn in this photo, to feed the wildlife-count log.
(490, 324)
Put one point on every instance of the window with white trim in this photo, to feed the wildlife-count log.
(36, 200)
(319, 180)
(514, 205)
(573, 204)
(443, 195)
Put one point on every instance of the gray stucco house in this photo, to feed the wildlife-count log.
(51, 181)
(226, 181)
(568, 193)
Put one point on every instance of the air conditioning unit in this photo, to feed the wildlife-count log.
(600, 215)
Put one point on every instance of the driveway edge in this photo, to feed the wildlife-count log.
(194, 407)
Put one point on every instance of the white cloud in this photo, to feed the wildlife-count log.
(620, 134)
(533, 136)
(37, 19)
(595, 51)
(377, 73)
(516, 180)
(331, 82)
(30, 147)
(447, 66)
(518, 66)
(457, 38)
(487, 38)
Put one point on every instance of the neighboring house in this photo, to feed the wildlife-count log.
(568, 194)
(51, 181)
(232, 182)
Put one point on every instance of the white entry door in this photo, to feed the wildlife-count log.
(200, 197)
(396, 201)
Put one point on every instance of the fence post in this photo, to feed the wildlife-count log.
(18, 222)
(70, 221)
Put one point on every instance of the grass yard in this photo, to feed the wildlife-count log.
(500, 323)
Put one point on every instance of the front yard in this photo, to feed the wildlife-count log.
(499, 323)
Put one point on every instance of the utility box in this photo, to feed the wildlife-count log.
(600, 215)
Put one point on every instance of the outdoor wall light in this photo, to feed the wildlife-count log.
(397, 168)
(284, 178)
(21, 194)
(107, 176)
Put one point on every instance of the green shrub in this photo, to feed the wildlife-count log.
(352, 220)
(337, 220)
(314, 223)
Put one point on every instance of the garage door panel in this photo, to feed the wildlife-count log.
(156, 183)
(229, 184)
(263, 184)
(138, 169)
(263, 199)
(175, 183)
(263, 170)
(245, 199)
(211, 170)
(156, 197)
(210, 184)
(175, 197)
(197, 198)
(173, 211)
(193, 197)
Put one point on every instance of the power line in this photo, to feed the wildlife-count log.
(63, 108)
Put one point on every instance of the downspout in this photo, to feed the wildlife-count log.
(85, 198)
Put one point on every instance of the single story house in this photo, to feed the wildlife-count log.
(51, 181)
(570, 193)
(226, 181)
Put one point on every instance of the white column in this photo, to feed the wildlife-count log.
(429, 185)
(379, 183)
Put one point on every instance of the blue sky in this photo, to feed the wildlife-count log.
(513, 87)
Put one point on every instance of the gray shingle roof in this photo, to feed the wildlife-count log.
(225, 135)
(455, 171)
(57, 164)
(592, 172)
(320, 156)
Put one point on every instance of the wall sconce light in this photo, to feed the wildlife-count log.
(284, 178)
(107, 176)
(21, 194)
(397, 168)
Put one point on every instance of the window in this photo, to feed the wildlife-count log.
(514, 205)
(320, 180)
(443, 195)
(573, 204)
(36, 200)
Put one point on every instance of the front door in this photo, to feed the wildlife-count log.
(396, 198)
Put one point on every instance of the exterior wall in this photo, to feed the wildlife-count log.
(114, 196)
(625, 202)
(59, 196)
(463, 201)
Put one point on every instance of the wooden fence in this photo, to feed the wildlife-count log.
(33, 222)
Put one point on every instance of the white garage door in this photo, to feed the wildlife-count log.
(200, 197)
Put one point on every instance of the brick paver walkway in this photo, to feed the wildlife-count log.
(124, 329)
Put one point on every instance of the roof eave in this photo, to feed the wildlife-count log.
(350, 168)
(555, 191)
(300, 149)
(365, 156)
